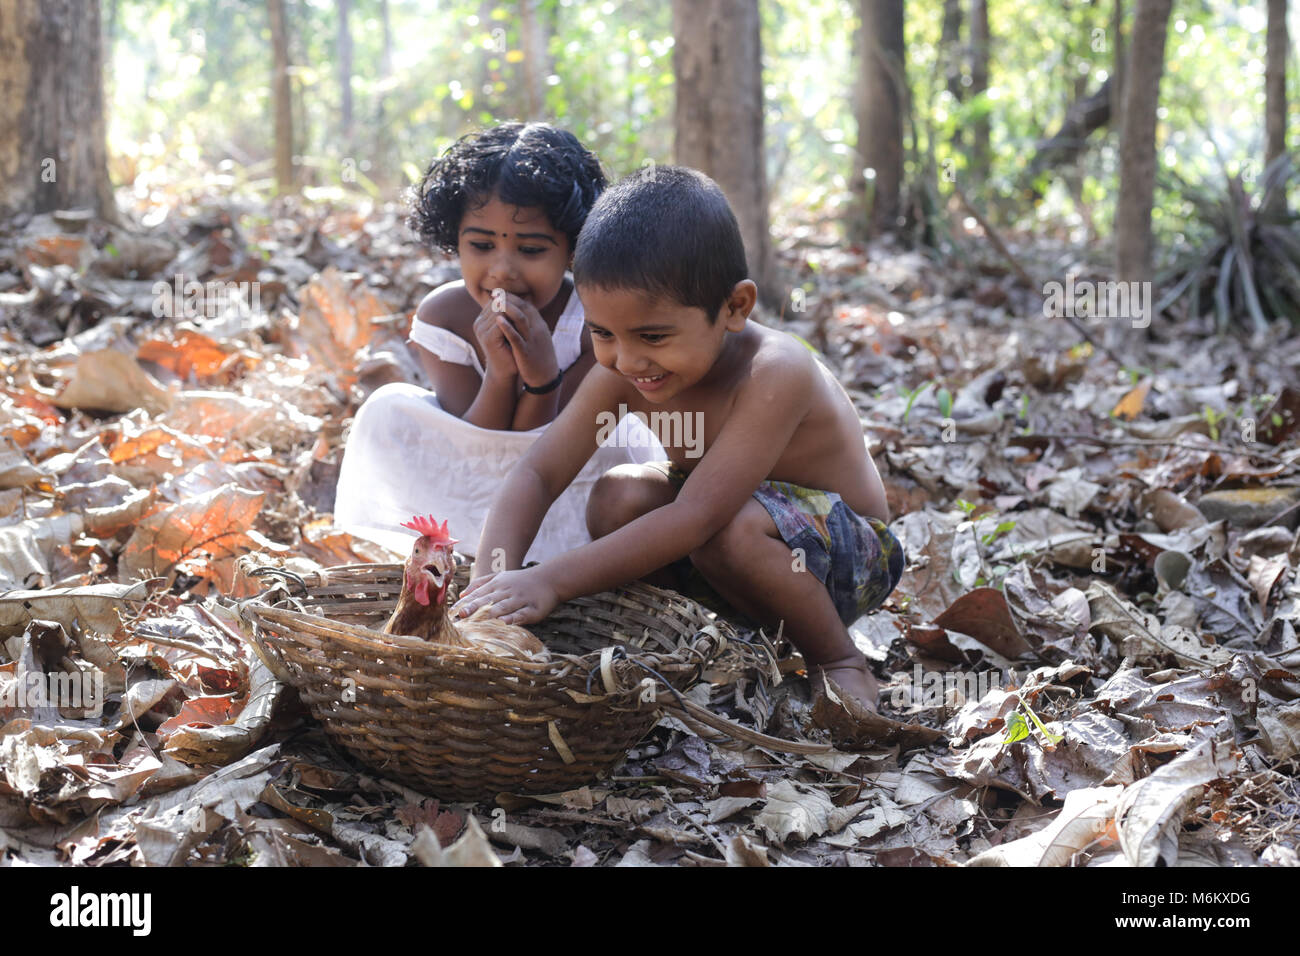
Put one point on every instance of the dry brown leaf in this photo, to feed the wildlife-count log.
(27, 549)
(1085, 823)
(794, 813)
(253, 421)
(209, 531)
(1279, 727)
(112, 381)
(335, 322)
(1150, 812)
(95, 607)
(55, 251)
(17, 472)
(186, 353)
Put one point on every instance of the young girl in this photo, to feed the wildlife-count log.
(504, 347)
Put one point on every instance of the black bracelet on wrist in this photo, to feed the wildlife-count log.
(547, 388)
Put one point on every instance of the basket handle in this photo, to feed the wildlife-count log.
(268, 655)
(737, 732)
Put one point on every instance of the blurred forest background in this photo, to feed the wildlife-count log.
(869, 117)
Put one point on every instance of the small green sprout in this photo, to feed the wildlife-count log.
(1018, 729)
(912, 396)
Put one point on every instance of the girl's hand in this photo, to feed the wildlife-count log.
(518, 597)
(530, 339)
(496, 347)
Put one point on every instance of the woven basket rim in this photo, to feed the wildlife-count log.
(713, 632)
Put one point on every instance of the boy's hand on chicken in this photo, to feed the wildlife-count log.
(519, 597)
(530, 340)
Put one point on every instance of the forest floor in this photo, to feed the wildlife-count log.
(1093, 647)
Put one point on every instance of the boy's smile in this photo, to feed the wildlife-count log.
(660, 346)
(512, 248)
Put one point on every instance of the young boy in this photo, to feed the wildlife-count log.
(783, 512)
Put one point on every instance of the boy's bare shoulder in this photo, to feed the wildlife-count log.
(779, 360)
(449, 307)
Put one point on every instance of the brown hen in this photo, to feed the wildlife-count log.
(422, 608)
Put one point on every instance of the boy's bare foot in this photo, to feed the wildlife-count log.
(851, 677)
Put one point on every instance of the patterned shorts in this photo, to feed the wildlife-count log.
(858, 559)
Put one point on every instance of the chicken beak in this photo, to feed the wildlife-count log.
(442, 562)
(439, 571)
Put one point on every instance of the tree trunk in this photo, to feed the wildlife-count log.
(1117, 64)
(298, 32)
(345, 74)
(950, 49)
(979, 83)
(879, 120)
(952, 54)
(53, 154)
(1275, 82)
(1137, 150)
(718, 66)
(280, 96)
(533, 42)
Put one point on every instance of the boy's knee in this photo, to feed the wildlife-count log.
(619, 497)
(736, 539)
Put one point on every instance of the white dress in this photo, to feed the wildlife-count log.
(405, 456)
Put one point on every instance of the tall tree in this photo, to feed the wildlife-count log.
(718, 66)
(345, 71)
(280, 96)
(1275, 81)
(951, 50)
(882, 81)
(979, 83)
(533, 41)
(53, 154)
(1137, 141)
(1117, 62)
(952, 54)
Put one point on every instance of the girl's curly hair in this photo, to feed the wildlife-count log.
(525, 164)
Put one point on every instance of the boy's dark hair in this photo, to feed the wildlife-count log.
(666, 231)
(525, 164)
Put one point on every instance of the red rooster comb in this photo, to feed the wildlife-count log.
(429, 528)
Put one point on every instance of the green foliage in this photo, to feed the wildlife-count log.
(190, 100)
(1245, 259)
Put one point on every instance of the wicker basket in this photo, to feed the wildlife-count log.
(462, 725)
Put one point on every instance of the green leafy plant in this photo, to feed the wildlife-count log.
(945, 402)
(912, 396)
(942, 396)
(1018, 728)
(1002, 528)
(1213, 418)
(1249, 263)
(996, 574)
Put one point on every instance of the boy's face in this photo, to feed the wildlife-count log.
(512, 248)
(662, 347)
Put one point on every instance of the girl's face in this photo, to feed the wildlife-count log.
(513, 248)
